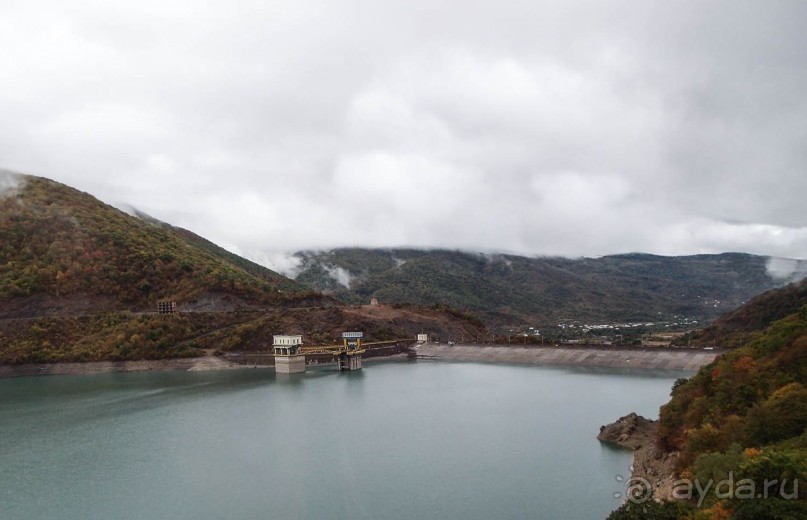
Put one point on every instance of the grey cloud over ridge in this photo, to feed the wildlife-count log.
(570, 128)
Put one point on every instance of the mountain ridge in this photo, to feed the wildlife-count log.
(508, 288)
(80, 281)
(60, 246)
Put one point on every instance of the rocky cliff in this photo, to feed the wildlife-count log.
(652, 468)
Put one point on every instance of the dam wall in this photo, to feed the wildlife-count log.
(597, 356)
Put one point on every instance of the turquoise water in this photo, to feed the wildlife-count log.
(420, 440)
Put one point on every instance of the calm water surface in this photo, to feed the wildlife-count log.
(424, 440)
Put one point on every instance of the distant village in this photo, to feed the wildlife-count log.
(570, 332)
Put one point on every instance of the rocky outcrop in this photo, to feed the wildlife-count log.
(652, 466)
(631, 431)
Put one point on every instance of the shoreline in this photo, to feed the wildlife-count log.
(202, 363)
(653, 470)
(208, 362)
(657, 358)
(629, 357)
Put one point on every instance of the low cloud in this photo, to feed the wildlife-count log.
(10, 183)
(786, 269)
(284, 263)
(339, 275)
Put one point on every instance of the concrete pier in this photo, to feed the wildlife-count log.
(289, 364)
(349, 361)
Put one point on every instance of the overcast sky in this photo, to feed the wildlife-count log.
(564, 128)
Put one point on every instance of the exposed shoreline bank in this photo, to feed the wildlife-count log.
(647, 358)
(208, 362)
(617, 357)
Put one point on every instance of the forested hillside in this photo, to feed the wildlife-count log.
(743, 418)
(64, 252)
(80, 281)
(515, 289)
(743, 324)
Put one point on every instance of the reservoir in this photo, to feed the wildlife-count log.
(398, 439)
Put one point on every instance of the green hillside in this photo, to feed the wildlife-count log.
(744, 417)
(538, 291)
(80, 280)
(64, 252)
(743, 324)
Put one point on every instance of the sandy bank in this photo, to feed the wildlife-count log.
(653, 358)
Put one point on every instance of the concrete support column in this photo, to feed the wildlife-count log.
(350, 362)
(289, 364)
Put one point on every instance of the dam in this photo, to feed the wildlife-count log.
(290, 355)
(595, 356)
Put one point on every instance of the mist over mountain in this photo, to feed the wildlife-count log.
(65, 252)
(505, 288)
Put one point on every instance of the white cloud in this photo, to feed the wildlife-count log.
(786, 269)
(568, 128)
(283, 263)
(10, 183)
(339, 275)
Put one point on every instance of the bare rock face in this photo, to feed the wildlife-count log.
(654, 466)
(631, 431)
